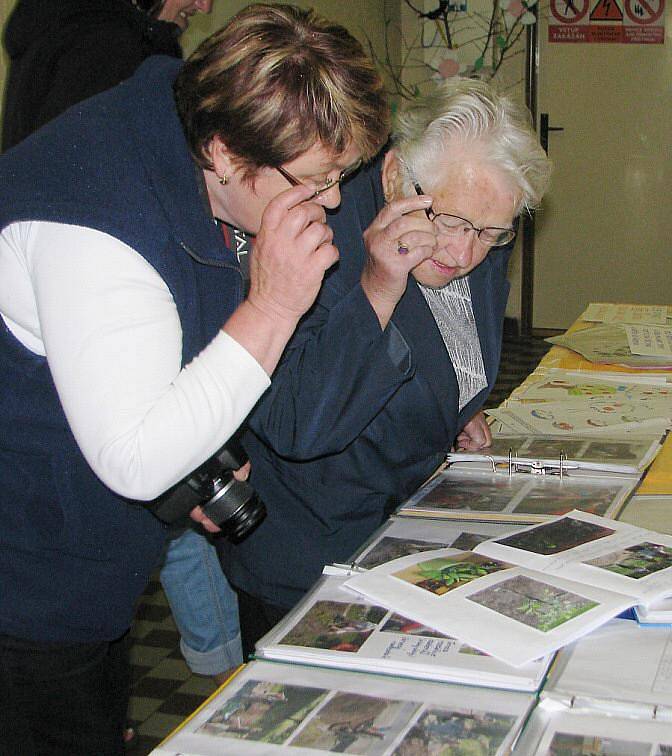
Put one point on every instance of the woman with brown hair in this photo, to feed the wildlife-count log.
(129, 353)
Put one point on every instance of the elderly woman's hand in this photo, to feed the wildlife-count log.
(398, 240)
(475, 435)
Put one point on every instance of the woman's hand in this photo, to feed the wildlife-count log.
(291, 254)
(475, 435)
(199, 516)
(396, 242)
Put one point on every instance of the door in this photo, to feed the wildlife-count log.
(604, 232)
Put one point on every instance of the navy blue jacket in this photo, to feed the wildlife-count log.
(74, 556)
(356, 419)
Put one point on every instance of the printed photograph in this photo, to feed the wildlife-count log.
(467, 541)
(473, 496)
(564, 744)
(351, 723)
(614, 450)
(335, 626)
(438, 576)
(556, 537)
(533, 603)
(550, 448)
(389, 548)
(554, 500)
(456, 732)
(263, 711)
(398, 624)
(637, 561)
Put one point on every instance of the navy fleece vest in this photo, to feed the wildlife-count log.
(74, 556)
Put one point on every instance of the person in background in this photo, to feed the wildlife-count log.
(390, 368)
(128, 353)
(62, 52)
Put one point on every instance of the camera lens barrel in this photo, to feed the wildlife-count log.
(236, 508)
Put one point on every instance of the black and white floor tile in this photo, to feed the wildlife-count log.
(164, 690)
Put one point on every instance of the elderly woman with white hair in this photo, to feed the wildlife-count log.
(392, 365)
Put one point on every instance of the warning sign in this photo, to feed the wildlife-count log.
(622, 21)
(606, 10)
(569, 11)
(644, 12)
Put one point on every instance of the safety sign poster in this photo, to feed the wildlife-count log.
(626, 21)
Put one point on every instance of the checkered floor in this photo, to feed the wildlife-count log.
(164, 689)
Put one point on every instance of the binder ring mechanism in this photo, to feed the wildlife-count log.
(535, 466)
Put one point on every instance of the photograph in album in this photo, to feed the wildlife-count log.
(334, 628)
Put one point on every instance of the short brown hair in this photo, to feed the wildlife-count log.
(275, 81)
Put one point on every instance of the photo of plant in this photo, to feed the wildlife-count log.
(352, 723)
(533, 603)
(622, 451)
(335, 626)
(438, 576)
(389, 548)
(550, 448)
(467, 541)
(473, 496)
(558, 501)
(555, 537)
(454, 732)
(564, 744)
(636, 561)
(398, 624)
(263, 711)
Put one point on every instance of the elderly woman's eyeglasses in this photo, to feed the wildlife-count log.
(330, 183)
(453, 225)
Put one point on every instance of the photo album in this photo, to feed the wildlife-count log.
(516, 497)
(333, 628)
(271, 707)
(522, 596)
(625, 456)
(608, 693)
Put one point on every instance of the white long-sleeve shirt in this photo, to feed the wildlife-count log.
(109, 328)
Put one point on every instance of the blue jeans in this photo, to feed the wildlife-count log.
(204, 606)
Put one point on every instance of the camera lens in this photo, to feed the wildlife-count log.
(235, 507)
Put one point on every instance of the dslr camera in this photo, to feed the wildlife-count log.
(231, 504)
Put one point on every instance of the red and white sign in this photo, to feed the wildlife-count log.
(624, 21)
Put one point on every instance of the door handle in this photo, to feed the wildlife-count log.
(544, 128)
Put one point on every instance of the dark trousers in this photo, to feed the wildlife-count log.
(256, 619)
(63, 700)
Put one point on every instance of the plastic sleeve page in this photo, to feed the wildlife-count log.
(335, 628)
(619, 662)
(553, 731)
(277, 708)
(607, 553)
(514, 614)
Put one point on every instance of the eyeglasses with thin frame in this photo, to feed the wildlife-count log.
(330, 183)
(454, 225)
